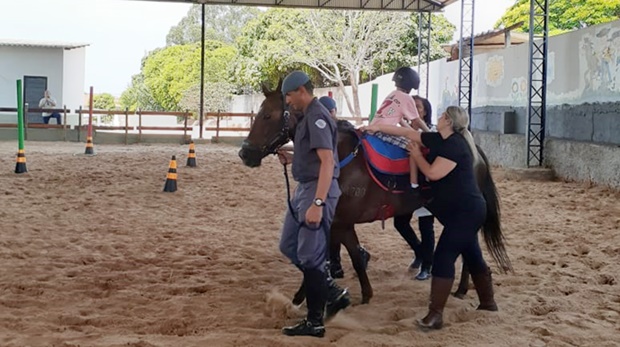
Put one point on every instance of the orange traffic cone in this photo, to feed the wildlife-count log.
(20, 166)
(191, 157)
(89, 146)
(171, 178)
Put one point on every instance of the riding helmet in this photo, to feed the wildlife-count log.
(293, 81)
(406, 78)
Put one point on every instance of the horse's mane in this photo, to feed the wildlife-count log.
(346, 128)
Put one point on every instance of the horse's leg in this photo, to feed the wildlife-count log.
(334, 255)
(350, 241)
(461, 291)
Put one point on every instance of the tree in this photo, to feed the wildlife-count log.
(222, 23)
(139, 96)
(278, 40)
(564, 15)
(217, 97)
(170, 72)
(104, 101)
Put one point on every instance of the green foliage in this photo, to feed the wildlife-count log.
(170, 72)
(138, 95)
(222, 23)
(564, 15)
(104, 101)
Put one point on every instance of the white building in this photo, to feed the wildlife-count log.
(56, 66)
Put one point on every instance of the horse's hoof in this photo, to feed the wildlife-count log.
(459, 295)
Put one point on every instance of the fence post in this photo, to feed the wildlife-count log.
(126, 123)
(217, 128)
(64, 123)
(185, 126)
(251, 119)
(139, 125)
(26, 121)
(79, 123)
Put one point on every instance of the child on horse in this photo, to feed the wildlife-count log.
(398, 108)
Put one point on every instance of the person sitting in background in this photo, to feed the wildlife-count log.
(49, 102)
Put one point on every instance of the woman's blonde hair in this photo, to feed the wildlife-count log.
(460, 121)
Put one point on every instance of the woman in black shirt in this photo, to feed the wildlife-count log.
(457, 203)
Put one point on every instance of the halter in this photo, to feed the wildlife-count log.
(281, 137)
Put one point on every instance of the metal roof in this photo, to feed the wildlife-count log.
(393, 5)
(41, 44)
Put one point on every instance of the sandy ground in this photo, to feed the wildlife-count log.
(93, 253)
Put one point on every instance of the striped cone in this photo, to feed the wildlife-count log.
(20, 166)
(171, 179)
(89, 146)
(191, 157)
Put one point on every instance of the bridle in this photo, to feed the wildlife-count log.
(283, 136)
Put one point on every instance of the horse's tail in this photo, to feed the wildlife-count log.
(492, 228)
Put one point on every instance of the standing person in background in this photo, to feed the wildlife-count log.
(330, 105)
(49, 102)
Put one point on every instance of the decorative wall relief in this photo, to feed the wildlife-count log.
(518, 89)
(600, 62)
(494, 73)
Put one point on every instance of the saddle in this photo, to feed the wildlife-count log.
(387, 164)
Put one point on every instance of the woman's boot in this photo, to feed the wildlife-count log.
(440, 291)
(484, 288)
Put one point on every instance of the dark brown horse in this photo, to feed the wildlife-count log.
(362, 200)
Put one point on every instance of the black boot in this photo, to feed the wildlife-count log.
(315, 282)
(484, 287)
(440, 290)
(337, 299)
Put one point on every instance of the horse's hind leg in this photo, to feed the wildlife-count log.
(461, 291)
(350, 241)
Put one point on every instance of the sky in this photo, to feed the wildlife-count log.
(121, 32)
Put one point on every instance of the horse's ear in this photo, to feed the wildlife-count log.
(279, 90)
(265, 89)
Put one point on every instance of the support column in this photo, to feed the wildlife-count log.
(466, 55)
(537, 93)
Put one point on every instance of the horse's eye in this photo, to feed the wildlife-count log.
(267, 116)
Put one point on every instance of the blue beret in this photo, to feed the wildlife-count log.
(293, 81)
(329, 103)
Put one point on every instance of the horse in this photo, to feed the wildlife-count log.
(362, 200)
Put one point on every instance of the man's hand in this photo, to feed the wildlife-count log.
(285, 157)
(314, 214)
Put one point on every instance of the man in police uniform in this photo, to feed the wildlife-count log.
(305, 231)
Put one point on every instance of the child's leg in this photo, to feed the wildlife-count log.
(413, 173)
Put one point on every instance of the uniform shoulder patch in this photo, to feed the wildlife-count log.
(320, 123)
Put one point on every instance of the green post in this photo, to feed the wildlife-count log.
(20, 166)
(373, 102)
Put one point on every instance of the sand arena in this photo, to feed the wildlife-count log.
(93, 253)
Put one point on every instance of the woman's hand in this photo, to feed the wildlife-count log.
(414, 149)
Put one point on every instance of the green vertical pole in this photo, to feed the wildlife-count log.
(20, 166)
(373, 102)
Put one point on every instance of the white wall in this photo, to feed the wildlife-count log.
(74, 68)
(17, 62)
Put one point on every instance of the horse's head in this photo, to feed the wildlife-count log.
(273, 127)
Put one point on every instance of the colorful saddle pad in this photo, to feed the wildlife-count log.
(385, 157)
(388, 164)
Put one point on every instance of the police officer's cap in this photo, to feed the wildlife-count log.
(328, 102)
(293, 81)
